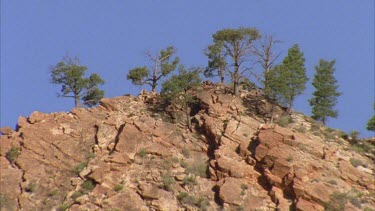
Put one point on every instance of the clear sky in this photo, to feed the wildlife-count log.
(110, 37)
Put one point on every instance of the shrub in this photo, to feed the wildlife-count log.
(198, 169)
(88, 185)
(289, 158)
(301, 129)
(186, 152)
(354, 134)
(53, 193)
(76, 194)
(63, 207)
(182, 195)
(142, 152)
(356, 162)
(184, 164)
(243, 188)
(31, 187)
(3, 200)
(168, 181)
(284, 121)
(315, 127)
(13, 154)
(78, 168)
(332, 182)
(189, 180)
(337, 201)
(118, 187)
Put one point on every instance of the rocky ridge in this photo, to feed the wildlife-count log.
(130, 154)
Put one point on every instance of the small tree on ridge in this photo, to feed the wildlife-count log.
(70, 74)
(162, 65)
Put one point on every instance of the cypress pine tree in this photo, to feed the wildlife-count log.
(325, 95)
(294, 75)
(371, 123)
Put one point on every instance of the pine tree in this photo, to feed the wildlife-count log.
(371, 123)
(70, 74)
(162, 65)
(325, 94)
(231, 48)
(294, 75)
(178, 89)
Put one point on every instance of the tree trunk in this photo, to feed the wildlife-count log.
(187, 111)
(222, 79)
(153, 87)
(272, 110)
(76, 101)
(236, 79)
(290, 105)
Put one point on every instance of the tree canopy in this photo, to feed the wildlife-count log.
(70, 74)
(293, 74)
(231, 48)
(162, 65)
(371, 122)
(325, 94)
(178, 89)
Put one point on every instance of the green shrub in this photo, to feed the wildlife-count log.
(198, 169)
(118, 187)
(202, 203)
(189, 180)
(182, 195)
(78, 168)
(315, 127)
(332, 182)
(31, 187)
(13, 154)
(184, 164)
(185, 152)
(88, 185)
(301, 129)
(354, 134)
(142, 152)
(53, 193)
(356, 162)
(76, 194)
(244, 187)
(337, 202)
(63, 207)
(3, 200)
(284, 121)
(168, 181)
(289, 158)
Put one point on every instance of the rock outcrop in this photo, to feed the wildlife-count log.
(130, 154)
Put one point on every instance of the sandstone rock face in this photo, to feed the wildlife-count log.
(124, 155)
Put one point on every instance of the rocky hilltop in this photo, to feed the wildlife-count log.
(130, 153)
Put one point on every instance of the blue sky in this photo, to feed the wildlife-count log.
(110, 37)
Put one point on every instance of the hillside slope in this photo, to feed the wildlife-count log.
(130, 154)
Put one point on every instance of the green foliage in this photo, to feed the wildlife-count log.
(301, 129)
(290, 158)
(63, 207)
(168, 181)
(289, 77)
(70, 74)
(118, 187)
(371, 123)
(31, 187)
(13, 154)
(3, 200)
(325, 94)
(76, 194)
(182, 195)
(185, 152)
(142, 152)
(332, 182)
(230, 48)
(354, 134)
(284, 121)
(338, 200)
(356, 162)
(200, 168)
(163, 64)
(217, 66)
(53, 193)
(78, 168)
(88, 185)
(189, 180)
(179, 89)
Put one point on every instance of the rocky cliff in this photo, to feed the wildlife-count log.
(130, 153)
